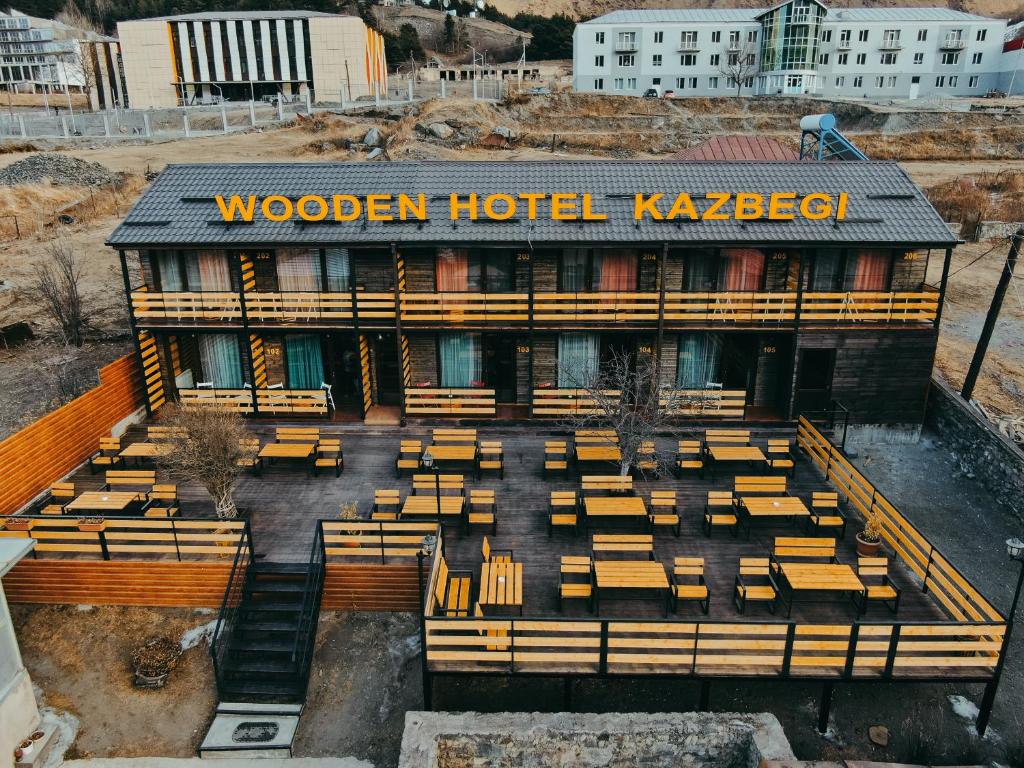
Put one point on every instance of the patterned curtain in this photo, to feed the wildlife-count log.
(452, 269)
(221, 361)
(339, 270)
(578, 359)
(615, 270)
(461, 364)
(298, 270)
(169, 268)
(700, 360)
(574, 270)
(742, 269)
(872, 271)
(208, 271)
(305, 363)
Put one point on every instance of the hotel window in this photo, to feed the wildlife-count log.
(976, 58)
(599, 38)
(579, 358)
(826, 36)
(461, 270)
(981, 35)
(688, 59)
(304, 364)
(220, 360)
(973, 82)
(599, 84)
(890, 81)
(823, 58)
(298, 270)
(879, 81)
(858, 82)
(600, 269)
(752, 36)
(842, 58)
(862, 36)
(194, 271)
(659, 37)
(716, 36)
(732, 269)
(715, 58)
(460, 360)
(631, 83)
(922, 35)
(618, 83)
(656, 60)
(827, 272)
(627, 60)
(951, 57)
(840, 81)
(919, 58)
(940, 81)
(339, 270)
(599, 61)
(888, 59)
(952, 81)
(700, 360)
(862, 58)
(868, 271)
(713, 83)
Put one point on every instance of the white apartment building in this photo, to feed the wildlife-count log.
(208, 57)
(797, 47)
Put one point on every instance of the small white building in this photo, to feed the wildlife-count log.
(796, 47)
(19, 715)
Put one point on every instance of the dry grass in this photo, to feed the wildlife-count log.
(946, 144)
(985, 196)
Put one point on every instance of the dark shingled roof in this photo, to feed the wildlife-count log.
(179, 210)
(759, 149)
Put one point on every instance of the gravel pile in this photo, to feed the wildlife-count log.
(63, 170)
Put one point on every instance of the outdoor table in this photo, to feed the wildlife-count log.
(294, 451)
(818, 577)
(139, 451)
(451, 506)
(728, 453)
(598, 454)
(787, 508)
(453, 454)
(501, 586)
(644, 576)
(103, 501)
(599, 508)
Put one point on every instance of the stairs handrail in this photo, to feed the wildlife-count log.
(235, 585)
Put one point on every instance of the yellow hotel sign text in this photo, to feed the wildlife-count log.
(562, 206)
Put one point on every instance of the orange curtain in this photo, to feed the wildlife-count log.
(744, 269)
(453, 269)
(617, 271)
(872, 271)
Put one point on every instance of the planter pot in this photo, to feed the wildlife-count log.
(150, 681)
(14, 524)
(26, 747)
(91, 526)
(867, 548)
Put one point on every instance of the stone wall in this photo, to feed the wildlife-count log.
(993, 229)
(994, 460)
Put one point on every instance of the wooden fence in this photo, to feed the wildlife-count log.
(32, 459)
(568, 402)
(443, 401)
(468, 308)
(270, 402)
(728, 403)
(189, 308)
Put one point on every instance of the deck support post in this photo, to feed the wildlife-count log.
(705, 696)
(398, 333)
(825, 707)
(132, 328)
(567, 694)
(428, 698)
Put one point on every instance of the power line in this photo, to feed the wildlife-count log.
(975, 261)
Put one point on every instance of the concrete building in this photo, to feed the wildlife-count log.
(209, 57)
(19, 715)
(1011, 78)
(48, 56)
(796, 47)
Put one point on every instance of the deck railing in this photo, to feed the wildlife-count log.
(361, 541)
(470, 308)
(187, 308)
(270, 402)
(239, 400)
(569, 402)
(727, 403)
(450, 401)
(730, 307)
(602, 307)
(270, 307)
(870, 307)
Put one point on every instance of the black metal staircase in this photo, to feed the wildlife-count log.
(262, 646)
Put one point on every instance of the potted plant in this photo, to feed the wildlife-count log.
(93, 524)
(18, 523)
(153, 662)
(869, 540)
(350, 511)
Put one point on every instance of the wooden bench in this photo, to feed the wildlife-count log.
(329, 455)
(250, 447)
(409, 457)
(664, 510)
(490, 457)
(574, 580)
(431, 484)
(773, 485)
(622, 544)
(647, 457)
(297, 435)
(689, 457)
(563, 511)
(494, 555)
(720, 512)
(452, 590)
(387, 504)
(60, 495)
(163, 501)
(609, 483)
(727, 437)
(801, 548)
(754, 583)
(825, 514)
(780, 456)
(556, 457)
(454, 436)
(107, 455)
(483, 509)
(157, 433)
(688, 583)
(129, 478)
(596, 437)
(878, 585)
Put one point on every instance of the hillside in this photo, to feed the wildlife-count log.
(582, 9)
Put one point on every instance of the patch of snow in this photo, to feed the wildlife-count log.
(64, 724)
(204, 611)
(967, 710)
(203, 633)
(85, 608)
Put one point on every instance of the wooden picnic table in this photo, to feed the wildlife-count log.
(451, 506)
(603, 507)
(104, 501)
(453, 453)
(787, 508)
(818, 577)
(736, 453)
(294, 451)
(644, 575)
(595, 453)
(140, 451)
(501, 585)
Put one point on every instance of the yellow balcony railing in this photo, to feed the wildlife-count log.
(277, 307)
(730, 307)
(602, 307)
(870, 307)
(195, 308)
(471, 308)
(449, 401)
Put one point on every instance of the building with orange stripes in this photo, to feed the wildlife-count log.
(200, 58)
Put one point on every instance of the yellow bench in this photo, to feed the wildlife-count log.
(409, 455)
(727, 436)
(688, 582)
(387, 504)
(483, 509)
(623, 543)
(774, 485)
(556, 457)
(329, 455)
(754, 583)
(720, 512)
(689, 457)
(800, 548)
(107, 455)
(610, 483)
(563, 511)
(779, 455)
(494, 555)
(664, 510)
(163, 501)
(490, 457)
(574, 580)
(452, 590)
(878, 585)
(297, 435)
(157, 432)
(129, 478)
(431, 484)
(825, 513)
(456, 436)
(60, 494)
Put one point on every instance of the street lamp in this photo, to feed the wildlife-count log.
(1015, 551)
(430, 464)
(427, 545)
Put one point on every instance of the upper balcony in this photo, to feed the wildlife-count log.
(844, 45)
(541, 310)
(689, 46)
(891, 44)
(626, 46)
(952, 43)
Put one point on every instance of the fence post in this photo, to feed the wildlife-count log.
(146, 127)
(603, 660)
(64, 127)
(103, 544)
(410, 90)
(224, 117)
(851, 650)
(927, 570)
(890, 657)
(309, 104)
(280, 107)
(443, 84)
(106, 125)
(174, 533)
(188, 129)
(21, 124)
(787, 655)
(252, 113)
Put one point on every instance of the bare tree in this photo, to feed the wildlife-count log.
(629, 401)
(210, 449)
(740, 67)
(58, 285)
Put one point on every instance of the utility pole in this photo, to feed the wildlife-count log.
(993, 314)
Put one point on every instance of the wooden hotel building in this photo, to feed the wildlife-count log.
(480, 319)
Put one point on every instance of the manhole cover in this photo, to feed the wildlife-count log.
(248, 733)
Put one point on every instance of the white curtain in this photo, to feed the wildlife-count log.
(208, 271)
(298, 270)
(169, 268)
(339, 270)
(578, 359)
(221, 361)
(700, 360)
(460, 359)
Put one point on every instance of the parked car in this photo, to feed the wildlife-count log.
(654, 92)
(670, 94)
(540, 90)
(995, 93)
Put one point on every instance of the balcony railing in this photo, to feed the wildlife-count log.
(274, 402)
(449, 401)
(891, 44)
(844, 45)
(953, 43)
(554, 309)
(691, 46)
(626, 46)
